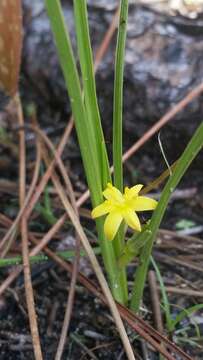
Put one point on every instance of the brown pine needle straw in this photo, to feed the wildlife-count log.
(59, 163)
(137, 323)
(71, 293)
(90, 253)
(24, 235)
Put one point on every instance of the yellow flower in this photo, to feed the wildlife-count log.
(121, 207)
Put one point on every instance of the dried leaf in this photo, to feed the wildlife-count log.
(10, 44)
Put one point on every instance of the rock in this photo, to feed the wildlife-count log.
(163, 62)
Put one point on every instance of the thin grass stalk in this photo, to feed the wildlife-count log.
(118, 242)
(165, 301)
(192, 149)
(118, 96)
(89, 86)
(66, 255)
(86, 135)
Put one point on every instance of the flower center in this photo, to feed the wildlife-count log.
(123, 205)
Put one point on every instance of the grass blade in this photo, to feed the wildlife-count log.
(89, 86)
(86, 135)
(118, 242)
(192, 149)
(118, 96)
(166, 304)
(185, 313)
(84, 130)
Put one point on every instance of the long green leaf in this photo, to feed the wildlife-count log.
(86, 137)
(118, 96)
(89, 86)
(192, 149)
(91, 105)
(84, 130)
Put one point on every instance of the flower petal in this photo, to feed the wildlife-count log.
(143, 203)
(132, 220)
(112, 193)
(101, 209)
(111, 224)
(133, 191)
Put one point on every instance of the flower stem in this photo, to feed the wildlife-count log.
(118, 242)
(118, 96)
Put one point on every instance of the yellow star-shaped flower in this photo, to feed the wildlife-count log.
(121, 207)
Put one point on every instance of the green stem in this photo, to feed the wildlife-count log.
(118, 242)
(183, 163)
(68, 254)
(118, 96)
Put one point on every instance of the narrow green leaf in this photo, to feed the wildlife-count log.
(118, 96)
(89, 86)
(192, 149)
(185, 313)
(165, 301)
(118, 241)
(66, 254)
(87, 134)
